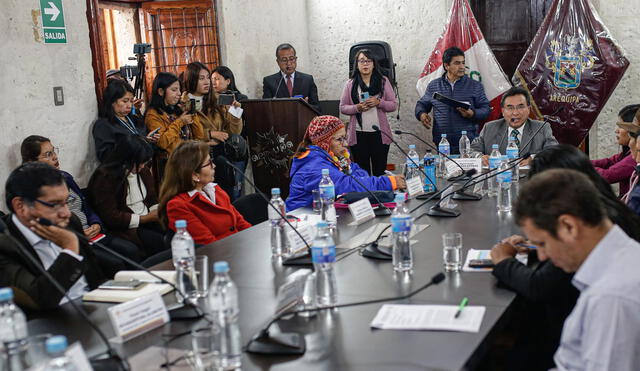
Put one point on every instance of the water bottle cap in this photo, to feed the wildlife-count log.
(56, 344)
(495, 146)
(221, 267)
(181, 223)
(322, 224)
(412, 146)
(275, 191)
(464, 132)
(399, 197)
(443, 135)
(325, 171)
(6, 293)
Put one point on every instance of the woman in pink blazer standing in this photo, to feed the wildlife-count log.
(366, 99)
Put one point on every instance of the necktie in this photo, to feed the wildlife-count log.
(515, 134)
(290, 85)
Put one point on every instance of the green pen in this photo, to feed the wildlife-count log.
(463, 304)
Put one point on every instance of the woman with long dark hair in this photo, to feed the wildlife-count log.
(366, 99)
(165, 114)
(116, 119)
(122, 192)
(188, 193)
(224, 82)
(547, 289)
(619, 167)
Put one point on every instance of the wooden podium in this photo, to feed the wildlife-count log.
(275, 127)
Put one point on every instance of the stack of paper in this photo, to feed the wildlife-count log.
(428, 317)
(121, 296)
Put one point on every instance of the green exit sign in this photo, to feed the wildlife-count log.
(53, 28)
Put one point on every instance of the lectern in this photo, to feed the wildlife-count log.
(274, 128)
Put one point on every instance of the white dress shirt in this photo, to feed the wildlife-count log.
(603, 330)
(135, 199)
(520, 131)
(208, 191)
(48, 252)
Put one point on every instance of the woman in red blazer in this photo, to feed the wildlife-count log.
(188, 193)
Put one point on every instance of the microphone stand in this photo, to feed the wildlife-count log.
(545, 122)
(292, 260)
(294, 344)
(113, 361)
(431, 146)
(514, 162)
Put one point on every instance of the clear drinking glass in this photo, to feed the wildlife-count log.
(206, 348)
(317, 202)
(202, 273)
(37, 351)
(452, 251)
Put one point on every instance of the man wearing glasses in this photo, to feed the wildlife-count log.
(516, 106)
(288, 82)
(36, 190)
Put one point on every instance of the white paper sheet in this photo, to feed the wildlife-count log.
(428, 317)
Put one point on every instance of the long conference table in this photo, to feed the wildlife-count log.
(339, 339)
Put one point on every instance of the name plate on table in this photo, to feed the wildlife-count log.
(465, 163)
(414, 186)
(297, 245)
(138, 316)
(361, 210)
(290, 293)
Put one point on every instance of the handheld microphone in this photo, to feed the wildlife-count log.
(294, 344)
(431, 146)
(545, 122)
(113, 361)
(292, 260)
(376, 128)
(180, 313)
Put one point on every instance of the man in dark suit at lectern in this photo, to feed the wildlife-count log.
(288, 82)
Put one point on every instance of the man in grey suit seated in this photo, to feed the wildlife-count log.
(516, 106)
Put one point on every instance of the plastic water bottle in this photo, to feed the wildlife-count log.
(512, 153)
(429, 162)
(413, 161)
(327, 196)
(401, 223)
(443, 147)
(323, 255)
(13, 333)
(279, 245)
(184, 256)
(224, 310)
(56, 346)
(494, 162)
(504, 186)
(465, 145)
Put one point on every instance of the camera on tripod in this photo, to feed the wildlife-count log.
(141, 48)
(137, 72)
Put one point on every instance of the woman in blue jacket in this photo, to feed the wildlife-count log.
(324, 147)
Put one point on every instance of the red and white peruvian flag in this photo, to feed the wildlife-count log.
(462, 31)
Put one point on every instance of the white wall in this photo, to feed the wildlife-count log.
(30, 70)
(621, 18)
(250, 31)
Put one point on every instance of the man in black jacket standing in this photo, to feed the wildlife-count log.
(36, 190)
(288, 82)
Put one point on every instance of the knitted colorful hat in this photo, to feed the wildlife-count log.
(321, 129)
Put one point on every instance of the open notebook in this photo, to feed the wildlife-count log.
(120, 296)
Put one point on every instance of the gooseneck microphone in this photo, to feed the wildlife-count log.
(376, 128)
(544, 123)
(113, 360)
(180, 313)
(512, 163)
(292, 260)
(431, 146)
(275, 95)
(265, 343)
(438, 210)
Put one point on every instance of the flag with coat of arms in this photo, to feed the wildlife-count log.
(462, 30)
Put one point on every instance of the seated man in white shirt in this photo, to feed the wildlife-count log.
(32, 191)
(562, 213)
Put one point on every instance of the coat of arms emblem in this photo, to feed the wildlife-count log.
(568, 60)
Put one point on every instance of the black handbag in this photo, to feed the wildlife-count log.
(236, 148)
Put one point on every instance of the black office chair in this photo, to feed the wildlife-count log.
(253, 208)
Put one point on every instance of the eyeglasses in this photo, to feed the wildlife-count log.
(519, 107)
(285, 60)
(208, 163)
(50, 154)
(56, 206)
(341, 139)
(365, 61)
